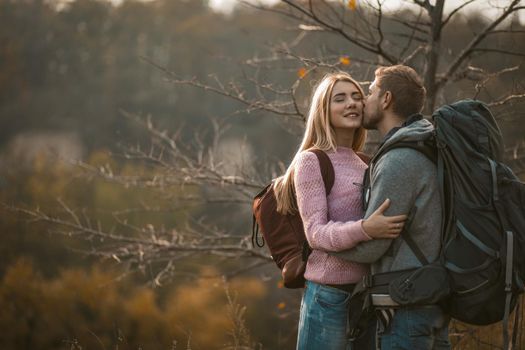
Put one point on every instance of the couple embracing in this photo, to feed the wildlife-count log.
(349, 241)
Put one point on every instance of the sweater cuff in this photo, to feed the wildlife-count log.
(368, 237)
(354, 235)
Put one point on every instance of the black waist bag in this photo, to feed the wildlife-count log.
(426, 285)
(423, 286)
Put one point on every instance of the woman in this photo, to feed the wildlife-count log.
(331, 223)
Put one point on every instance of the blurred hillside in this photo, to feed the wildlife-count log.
(68, 78)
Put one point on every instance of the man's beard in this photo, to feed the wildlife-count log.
(371, 120)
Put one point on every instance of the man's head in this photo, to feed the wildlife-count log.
(397, 92)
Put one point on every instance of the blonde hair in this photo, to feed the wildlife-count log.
(319, 134)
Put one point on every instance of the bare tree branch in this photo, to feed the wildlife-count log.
(455, 11)
(364, 44)
(234, 93)
(465, 53)
(411, 38)
(150, 245)
(415, 26)
(500, 51)
(510, 31)
(507, 99)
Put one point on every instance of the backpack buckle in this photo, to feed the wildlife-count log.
(440, 144)
(367, 281)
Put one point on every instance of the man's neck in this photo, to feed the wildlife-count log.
(390, 121)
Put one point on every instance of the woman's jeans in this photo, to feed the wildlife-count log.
(422, 328)
(323, 320)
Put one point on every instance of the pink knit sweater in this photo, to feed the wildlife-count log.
(341, 228)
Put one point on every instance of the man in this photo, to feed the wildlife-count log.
(409, 179)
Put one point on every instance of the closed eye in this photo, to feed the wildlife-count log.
(340, 97)
(357, 96)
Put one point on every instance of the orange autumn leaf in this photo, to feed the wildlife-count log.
(281, 305)
(352, 4)
(301, 72)
(345, 60)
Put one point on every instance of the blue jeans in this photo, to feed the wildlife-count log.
(323, 320)
(422, 328)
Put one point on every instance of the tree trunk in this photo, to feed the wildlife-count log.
(433, 49)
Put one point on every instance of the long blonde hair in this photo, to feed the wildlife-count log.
(319, 134)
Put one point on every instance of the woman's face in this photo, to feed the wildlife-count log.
(346, 106)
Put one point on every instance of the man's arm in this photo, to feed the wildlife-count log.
(391, 178)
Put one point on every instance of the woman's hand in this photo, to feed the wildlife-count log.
(381, 226)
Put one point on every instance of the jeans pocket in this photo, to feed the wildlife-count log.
(331, 297)
(425, 321)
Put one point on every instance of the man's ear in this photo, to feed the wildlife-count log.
(386, 100)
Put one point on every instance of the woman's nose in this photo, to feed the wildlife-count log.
(350, 103)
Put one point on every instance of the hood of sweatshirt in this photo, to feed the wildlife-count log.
(419, 130)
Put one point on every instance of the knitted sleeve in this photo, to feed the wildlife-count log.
(321, 233)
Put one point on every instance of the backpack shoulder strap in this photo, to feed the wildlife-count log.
(327, 169)
(410, 241)
(427, 148)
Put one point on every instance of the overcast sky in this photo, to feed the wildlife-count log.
(490, 8)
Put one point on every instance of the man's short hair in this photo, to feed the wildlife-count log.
(406, 87)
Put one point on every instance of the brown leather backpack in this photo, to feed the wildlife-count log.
(284, 234)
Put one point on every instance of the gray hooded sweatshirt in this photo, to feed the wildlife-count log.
(409, 179)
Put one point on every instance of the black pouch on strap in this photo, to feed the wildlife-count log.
(423, 286)
(361, 310)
